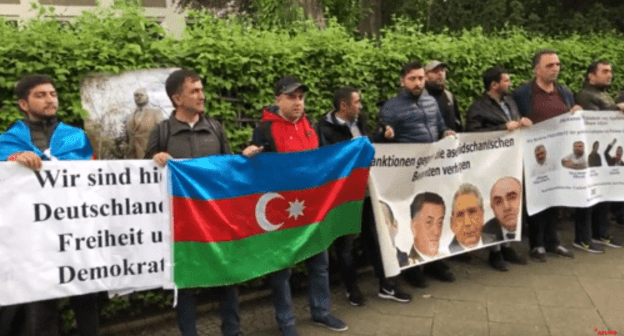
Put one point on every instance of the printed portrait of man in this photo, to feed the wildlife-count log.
(505, 197)
(576, 160)
(391, 222)
(467, 219)
(544, 163)
(594, 159)
(427, 216)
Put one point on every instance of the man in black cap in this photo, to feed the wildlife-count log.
(435, 72)
(284, 128)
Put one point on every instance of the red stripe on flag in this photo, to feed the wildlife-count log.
(235, 218)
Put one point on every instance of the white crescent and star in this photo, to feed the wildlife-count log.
(295, 210)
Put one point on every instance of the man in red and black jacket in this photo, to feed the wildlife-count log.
(286, 128)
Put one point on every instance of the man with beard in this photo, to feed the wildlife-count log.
(40, 137)
(594, 95)
(435, 72)
(496, 111)
(541, 99)
(576, 160)
(594, 159)
(544, 164)
(427, 211)
(414, 117)
(467, 220)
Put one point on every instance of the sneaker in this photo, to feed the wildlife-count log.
(355, 297)
(562, 251)
(608, 241)
(588, 247)
(394, 293)
(331, 322)
(538, 253)
(497, 262)
(510, 255)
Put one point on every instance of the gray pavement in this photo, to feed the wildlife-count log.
(562, 296)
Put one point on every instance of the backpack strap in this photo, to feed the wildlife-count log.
(163, 135)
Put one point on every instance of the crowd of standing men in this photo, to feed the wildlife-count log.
(423, 112)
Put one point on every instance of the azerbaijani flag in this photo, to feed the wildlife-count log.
(237, 218)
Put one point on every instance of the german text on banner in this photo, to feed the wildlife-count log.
(78, 227)
(237, 218)
(574, 160)
(436, 200)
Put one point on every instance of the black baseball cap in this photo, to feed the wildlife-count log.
(288, 84)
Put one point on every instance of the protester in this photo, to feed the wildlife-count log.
(189, 134)
(540, 99)
(496, 111)
(29, 142)
(591, 224)
(342, 124)
(435, 72)
(285, 127)
(414, 117)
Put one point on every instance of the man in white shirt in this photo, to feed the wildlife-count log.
(544, 165)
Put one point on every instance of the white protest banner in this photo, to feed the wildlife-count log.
(413, 188)
(82, 226)
(574, 160)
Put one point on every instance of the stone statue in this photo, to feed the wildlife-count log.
(139, 125)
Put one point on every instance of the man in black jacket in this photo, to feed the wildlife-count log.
(496, 111)
(344, 123)
(435, 72)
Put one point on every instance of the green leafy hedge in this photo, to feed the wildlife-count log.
(241, 62)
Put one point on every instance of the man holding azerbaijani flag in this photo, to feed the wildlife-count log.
(238, 218)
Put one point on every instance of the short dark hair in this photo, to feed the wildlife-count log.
(426, 197)
(538, 56)
(175, 81)
(413, 65)
(343, 94)
(493, 74)
(593, 67)
(27, 83)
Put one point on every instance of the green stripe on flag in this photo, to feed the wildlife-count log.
(225, 263)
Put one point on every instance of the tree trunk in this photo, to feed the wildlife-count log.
(371, 21)
(313, 9)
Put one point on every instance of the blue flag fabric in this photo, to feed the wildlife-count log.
(67, 143)
(235, 175)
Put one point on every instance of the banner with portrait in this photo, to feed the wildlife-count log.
(574, 160)
(80, 227)
(432, 201)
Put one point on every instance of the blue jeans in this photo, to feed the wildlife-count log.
(318, 278)
(230, 317)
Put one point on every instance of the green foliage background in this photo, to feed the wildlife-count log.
(241, 62)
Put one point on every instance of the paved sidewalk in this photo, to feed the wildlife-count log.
(560, 297)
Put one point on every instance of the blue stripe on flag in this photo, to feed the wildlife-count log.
(228, 176)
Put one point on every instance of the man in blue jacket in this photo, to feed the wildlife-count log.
(414, 117)
(540, 99)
